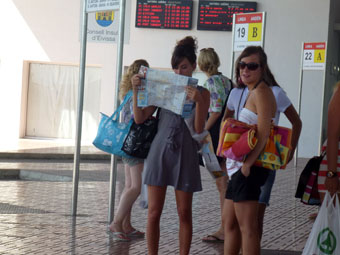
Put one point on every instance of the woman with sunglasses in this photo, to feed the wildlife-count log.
(173, 159)
(243, 192)
(219, 87)
(235, 104)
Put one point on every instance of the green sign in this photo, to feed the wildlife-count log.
(327, 241)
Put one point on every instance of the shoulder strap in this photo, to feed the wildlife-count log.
(226, 100)
(239, 103)
(115, 115)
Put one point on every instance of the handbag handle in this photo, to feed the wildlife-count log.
(115, 115)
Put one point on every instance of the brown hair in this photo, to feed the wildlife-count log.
(185, 48)
(208, 61)
(125, 84)
(267, 75)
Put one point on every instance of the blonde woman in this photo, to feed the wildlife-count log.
(219, 87)
(120, 228)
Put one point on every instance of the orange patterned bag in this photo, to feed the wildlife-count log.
(275, 153)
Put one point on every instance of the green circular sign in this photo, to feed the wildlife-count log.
(326, 241)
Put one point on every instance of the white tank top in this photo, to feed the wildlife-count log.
(248, 116)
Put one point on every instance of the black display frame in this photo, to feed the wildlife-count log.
(163, 20)
(223, 21)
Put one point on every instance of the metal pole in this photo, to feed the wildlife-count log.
(299, 100)
(232, 49)
(120, 49)
(322, 101)
(79, 112)
(264, 27)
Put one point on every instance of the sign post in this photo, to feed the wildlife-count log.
(248, 29)
(119, 67)
(313, 59)
(88, 6)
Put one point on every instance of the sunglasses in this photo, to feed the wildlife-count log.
(252, 66)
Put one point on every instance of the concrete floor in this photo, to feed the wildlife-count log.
(35, 208)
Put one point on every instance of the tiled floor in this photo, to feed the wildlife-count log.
(35, 215)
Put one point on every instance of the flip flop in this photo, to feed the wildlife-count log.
(214, 239)
(119, 236)
(135, 234)
(313, 216)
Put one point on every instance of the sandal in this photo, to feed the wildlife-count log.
(313, 216)
(135, 234)
(118, 236)
(212, 239)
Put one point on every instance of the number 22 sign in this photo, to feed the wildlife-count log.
(248, 29)
(314, 55)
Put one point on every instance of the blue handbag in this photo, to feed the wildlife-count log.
(111, 133)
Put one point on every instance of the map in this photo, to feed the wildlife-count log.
(165, 90)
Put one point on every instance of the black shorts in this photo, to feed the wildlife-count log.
(241, 188)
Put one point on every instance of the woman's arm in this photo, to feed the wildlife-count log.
(264, 103)
(296, 122)
(333, 135)
(213, 117)
(215, 98)
(140, 114)
(228, 114)
(202, 100)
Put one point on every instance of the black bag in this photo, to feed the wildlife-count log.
(138, 141)
(309, 174)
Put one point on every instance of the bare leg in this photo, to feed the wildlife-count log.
(221, 184)
(261, 212)
(246, 212)
(232, 243)
(133, 179)
(156, 197)
(184, 209)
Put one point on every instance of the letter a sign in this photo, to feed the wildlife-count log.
(314, 56)
(248, 29)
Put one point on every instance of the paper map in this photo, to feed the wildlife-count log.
(165, 90)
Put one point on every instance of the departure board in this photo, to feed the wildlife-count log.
(218, 15)
(171, 14)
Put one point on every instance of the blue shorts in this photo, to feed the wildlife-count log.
(132, 161)
(266, 188)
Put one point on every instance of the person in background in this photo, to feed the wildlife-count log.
(120, 228)
(219, 87)
(235, 104)
(173, 158)
(244, 188)
(329, 173)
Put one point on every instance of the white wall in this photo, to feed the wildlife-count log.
(49, 31)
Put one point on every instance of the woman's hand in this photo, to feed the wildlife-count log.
(136, 81)
(332, 184)
(245, 170)
(193, 94)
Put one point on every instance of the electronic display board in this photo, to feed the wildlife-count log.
(218, 15)
(171, 14)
